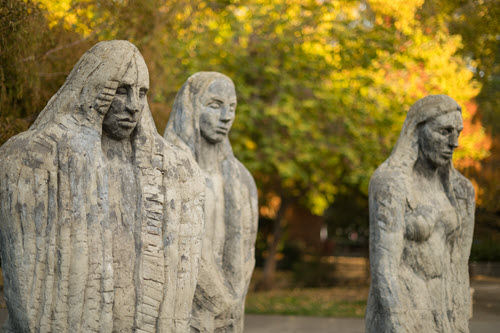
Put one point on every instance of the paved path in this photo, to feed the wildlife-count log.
(297, 324)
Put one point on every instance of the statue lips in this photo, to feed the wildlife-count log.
(222, 130)
(447, 154)
(127, 123)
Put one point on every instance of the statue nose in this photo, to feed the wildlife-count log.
(225, 115)
(453, 142)
(133, 105)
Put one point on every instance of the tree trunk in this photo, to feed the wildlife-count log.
(267, 280)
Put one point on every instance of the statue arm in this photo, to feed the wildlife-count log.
(251, 225)
(387, 207)
(193, 214)
(183, 230)
(462, 297)
(215, 295)
(468, 230)
(254, 220)
(249, 220)
(213, 292)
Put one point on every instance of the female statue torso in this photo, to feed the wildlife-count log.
(201, 119)
(421, 222)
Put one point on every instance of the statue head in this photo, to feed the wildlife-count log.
(217, 106)
(105, 91)
(430, 131)
(128, 102)
(438, 138)
(204, 109)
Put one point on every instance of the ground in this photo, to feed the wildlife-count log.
(486, 317)
(486, 314)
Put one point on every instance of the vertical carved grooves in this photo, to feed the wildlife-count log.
(98, 293)
(170, 226)
(50, 235)
(96, 225)
(57, 241)
(150, 271)
(186, 226)
(233, 258)
(45, 210)
(78, 273)
(250, 222)
(41, 180)
(18, 262)
(25, 187)
(8, 227)
(62, 244)
(107, 287)
(181, 242)
(61, 280)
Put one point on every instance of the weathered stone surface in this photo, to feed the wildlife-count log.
(421, 225)
(202, 116)
(100, 218)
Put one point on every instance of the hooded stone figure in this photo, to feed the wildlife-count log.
(201, 118)
(100, 218)
(421, 225)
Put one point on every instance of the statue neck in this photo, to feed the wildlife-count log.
(116, 150)
(428, 174)
(425, 169)
(210, 156)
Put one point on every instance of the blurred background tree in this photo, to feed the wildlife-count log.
(323, 89)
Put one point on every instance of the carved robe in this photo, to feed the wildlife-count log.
(64, 244)
(231, 216)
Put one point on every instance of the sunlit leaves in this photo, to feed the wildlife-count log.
(323, 86)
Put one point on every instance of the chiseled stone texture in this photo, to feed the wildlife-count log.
(202, 116)
(101, 218)
(421, 225)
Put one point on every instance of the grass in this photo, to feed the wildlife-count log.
(324, 302)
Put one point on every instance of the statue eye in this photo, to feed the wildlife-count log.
(215, 104)
(444, 131)
(142, 93)
(121, 91)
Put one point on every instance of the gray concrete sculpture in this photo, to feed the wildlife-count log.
(201, 118)
(421, 225)
(100, 218)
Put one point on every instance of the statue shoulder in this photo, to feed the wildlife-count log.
(246, 176)
(179, 163)
(462, 186)
(30, 149)
(388, 182)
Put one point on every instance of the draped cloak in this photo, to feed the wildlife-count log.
(55, 225)
(225, 269)
(414, 287)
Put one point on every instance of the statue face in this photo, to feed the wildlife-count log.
(130, 98)
(439, 138)
(218, 105)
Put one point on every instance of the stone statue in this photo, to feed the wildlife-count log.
(201, 118)
(421, 224)
(101, 218)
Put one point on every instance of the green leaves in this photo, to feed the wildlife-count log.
(323, 86)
